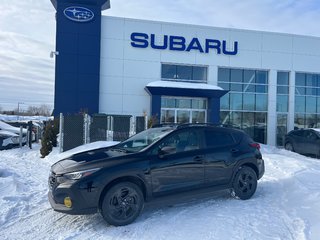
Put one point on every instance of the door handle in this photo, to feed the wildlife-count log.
(234, 150)
(199, 158)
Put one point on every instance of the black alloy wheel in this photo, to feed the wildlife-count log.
(245, 183)
(122, 204)
(289, 147)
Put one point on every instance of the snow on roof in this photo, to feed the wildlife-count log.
(7, 133)
(188, 85)
(8, 127)
(16, 118)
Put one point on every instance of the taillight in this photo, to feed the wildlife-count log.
(255, 145)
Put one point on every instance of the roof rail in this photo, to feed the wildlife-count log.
(198, 124)
(165, 125)
(184, 125)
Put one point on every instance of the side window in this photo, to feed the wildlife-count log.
(298, 133)
(218, 139)
(310, 136)
(183, 141)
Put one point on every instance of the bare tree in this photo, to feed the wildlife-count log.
(33, 110)
(43, 110)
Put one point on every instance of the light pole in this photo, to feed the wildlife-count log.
(19, 109)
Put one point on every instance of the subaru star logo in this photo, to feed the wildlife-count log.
(79, 14)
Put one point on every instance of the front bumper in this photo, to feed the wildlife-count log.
(84, 200)
(74, 210)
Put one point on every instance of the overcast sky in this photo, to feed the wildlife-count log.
(27, 33)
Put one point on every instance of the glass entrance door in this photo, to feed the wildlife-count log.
(183, 110)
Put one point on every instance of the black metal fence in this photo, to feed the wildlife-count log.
(76, 130)
(73, 133)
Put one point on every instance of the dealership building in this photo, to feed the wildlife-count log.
(262, 82)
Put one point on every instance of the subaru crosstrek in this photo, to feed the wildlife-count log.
(164, 160)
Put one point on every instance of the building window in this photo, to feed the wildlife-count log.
(282, 91)
(307, 100)
(183, 110)
(282, 120)
(246, 105)
(282, 106)
(184, 73)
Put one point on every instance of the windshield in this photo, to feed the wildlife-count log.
(143, 139)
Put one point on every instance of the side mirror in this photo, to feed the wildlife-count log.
(166, 151)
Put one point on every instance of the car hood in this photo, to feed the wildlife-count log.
(87, 160)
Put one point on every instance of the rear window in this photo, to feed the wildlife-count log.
(218, 139)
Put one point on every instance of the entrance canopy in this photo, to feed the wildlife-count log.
(171, 88)
(185, 89)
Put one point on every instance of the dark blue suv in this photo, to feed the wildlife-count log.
(163, 160)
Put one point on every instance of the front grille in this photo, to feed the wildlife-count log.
(52, 181)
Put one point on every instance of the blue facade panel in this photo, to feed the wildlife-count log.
(214, 110)
(77, 73)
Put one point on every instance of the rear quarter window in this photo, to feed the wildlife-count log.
(218, 138)
(237, 136)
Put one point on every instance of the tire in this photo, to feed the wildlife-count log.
(288, 146)
(245, 183)
(122, 204)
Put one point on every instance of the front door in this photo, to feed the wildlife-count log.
(183, 168)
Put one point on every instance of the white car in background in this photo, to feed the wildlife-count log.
(9, 136)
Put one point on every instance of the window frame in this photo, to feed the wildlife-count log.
(192, 79)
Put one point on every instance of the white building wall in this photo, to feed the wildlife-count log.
(125, 70)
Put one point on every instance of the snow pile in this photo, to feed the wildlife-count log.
(285, 206)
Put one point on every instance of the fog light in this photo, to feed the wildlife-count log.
(67, 202)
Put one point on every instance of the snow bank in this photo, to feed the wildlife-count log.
(285, 206)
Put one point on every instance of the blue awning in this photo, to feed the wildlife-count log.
(184, 89)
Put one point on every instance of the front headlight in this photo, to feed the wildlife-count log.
(15, 140)
(80, 174)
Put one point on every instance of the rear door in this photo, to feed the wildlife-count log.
(298, 140)
(311, 143)
(221, 151)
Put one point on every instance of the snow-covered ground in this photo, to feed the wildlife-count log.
(285, 206)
